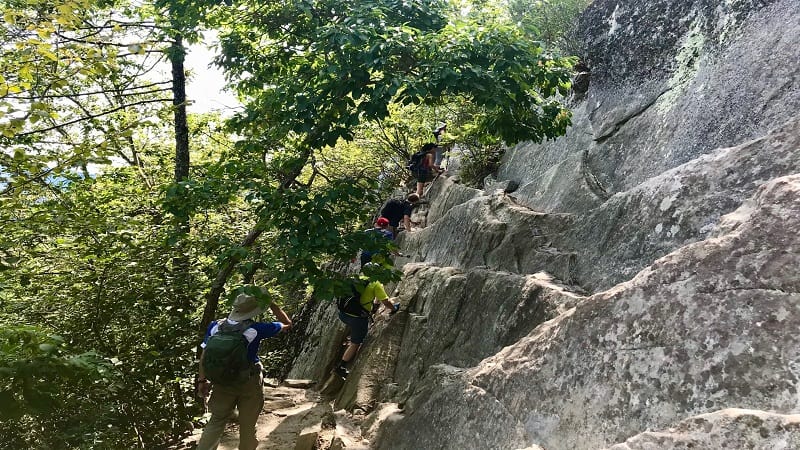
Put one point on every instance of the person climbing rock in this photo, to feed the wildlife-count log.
(423, 167)
(356, 312)
(235, 384)
(381, 228)
(396, 210)
(440, 149)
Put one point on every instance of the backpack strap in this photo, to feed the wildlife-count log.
(224, 326)
(358, 299)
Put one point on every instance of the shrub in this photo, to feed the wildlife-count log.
(478, 161)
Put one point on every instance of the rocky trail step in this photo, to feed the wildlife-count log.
(293, 417)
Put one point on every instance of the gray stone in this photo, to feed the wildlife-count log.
(729, 428)
(495, 232)
(300, 384)
(553, 175)
(580, 85)
(448, 194)
(678, 207)
(322, 343)
(505, 186)
(704, 328)
(672, 199)
(307, 438)
(708, 76)
(458, 318)
(488, 181)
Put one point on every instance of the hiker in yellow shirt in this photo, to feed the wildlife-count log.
(370, 295)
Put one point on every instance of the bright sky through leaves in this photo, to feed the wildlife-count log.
(206, 86)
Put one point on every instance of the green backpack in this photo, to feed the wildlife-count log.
(225, 357)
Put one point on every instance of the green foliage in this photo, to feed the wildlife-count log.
(94, 273)
(88, 258)
(33, 368)
(479, 161)
(330, 66)
(553, 22)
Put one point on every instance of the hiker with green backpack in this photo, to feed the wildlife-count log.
(229, 363)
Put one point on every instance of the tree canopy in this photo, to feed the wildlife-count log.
(313, 71)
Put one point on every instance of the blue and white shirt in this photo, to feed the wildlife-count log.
(254, 334)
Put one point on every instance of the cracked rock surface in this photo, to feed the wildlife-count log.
(639, 289)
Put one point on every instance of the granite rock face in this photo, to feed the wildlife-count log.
(698, 76)
(702, 86)
(702, 75)
(680, 206)
(704, 328)
(643, 275)
(729, 428)
(495, 232)
(459, 317)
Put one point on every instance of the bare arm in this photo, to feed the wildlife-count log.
(431, 161)
(201, 373)
(281, 316)
(203, 385)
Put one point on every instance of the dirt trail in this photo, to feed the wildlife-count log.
(294, 417)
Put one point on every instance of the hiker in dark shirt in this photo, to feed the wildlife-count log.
(382, 228)
(397, 210)
(427, 169)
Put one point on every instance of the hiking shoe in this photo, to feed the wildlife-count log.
(342, 372)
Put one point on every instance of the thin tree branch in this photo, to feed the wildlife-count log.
(93, 116)
(83, 40)
(83, 94)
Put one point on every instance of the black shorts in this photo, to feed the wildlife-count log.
(423, 175)
(358, 327)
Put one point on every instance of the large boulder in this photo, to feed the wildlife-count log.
(680, 206)
(460, 317)
(322, 343)
(495, 232)
(671, 81)
(707, 327)
(612, 241)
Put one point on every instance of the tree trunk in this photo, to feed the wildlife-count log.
(177, 57)
(180, 262)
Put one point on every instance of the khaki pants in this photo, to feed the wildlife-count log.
(248, 398)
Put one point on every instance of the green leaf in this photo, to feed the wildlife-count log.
(10, 408)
